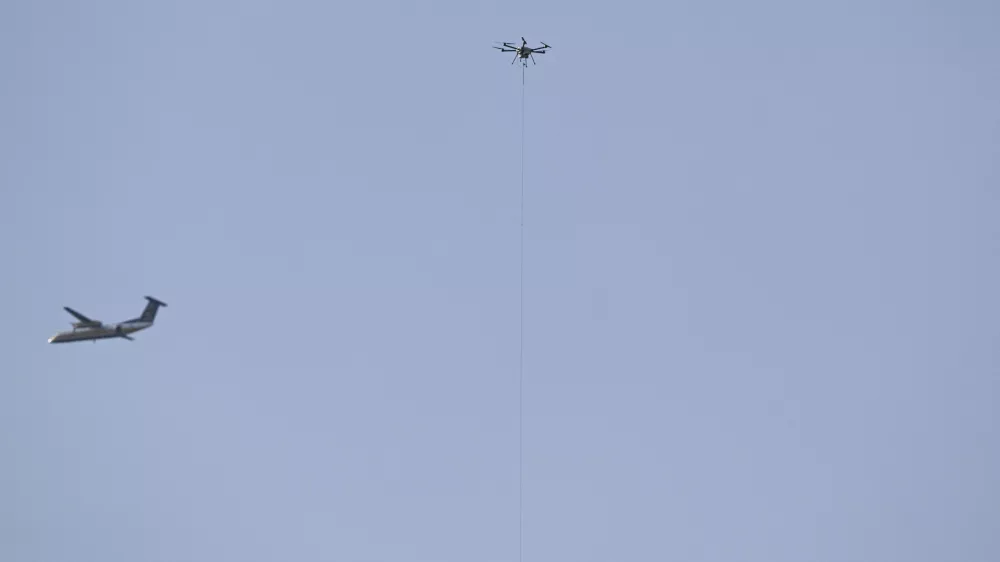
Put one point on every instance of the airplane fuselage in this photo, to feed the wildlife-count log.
(101, 332)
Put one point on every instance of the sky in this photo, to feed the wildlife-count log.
(760, 271)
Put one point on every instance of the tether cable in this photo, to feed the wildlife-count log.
(520, 376)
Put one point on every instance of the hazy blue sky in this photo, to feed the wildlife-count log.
(761, 279)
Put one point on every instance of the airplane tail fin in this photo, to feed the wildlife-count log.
(149, 313)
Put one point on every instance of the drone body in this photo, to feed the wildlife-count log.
(524, 52)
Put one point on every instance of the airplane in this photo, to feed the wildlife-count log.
(89, 329)
(524, 51)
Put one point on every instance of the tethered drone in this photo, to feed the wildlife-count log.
(524, 52)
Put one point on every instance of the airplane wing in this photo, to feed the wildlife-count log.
(79, 316)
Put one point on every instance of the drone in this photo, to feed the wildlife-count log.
(524, 52)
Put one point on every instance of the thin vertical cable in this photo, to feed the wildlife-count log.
(520, 375)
